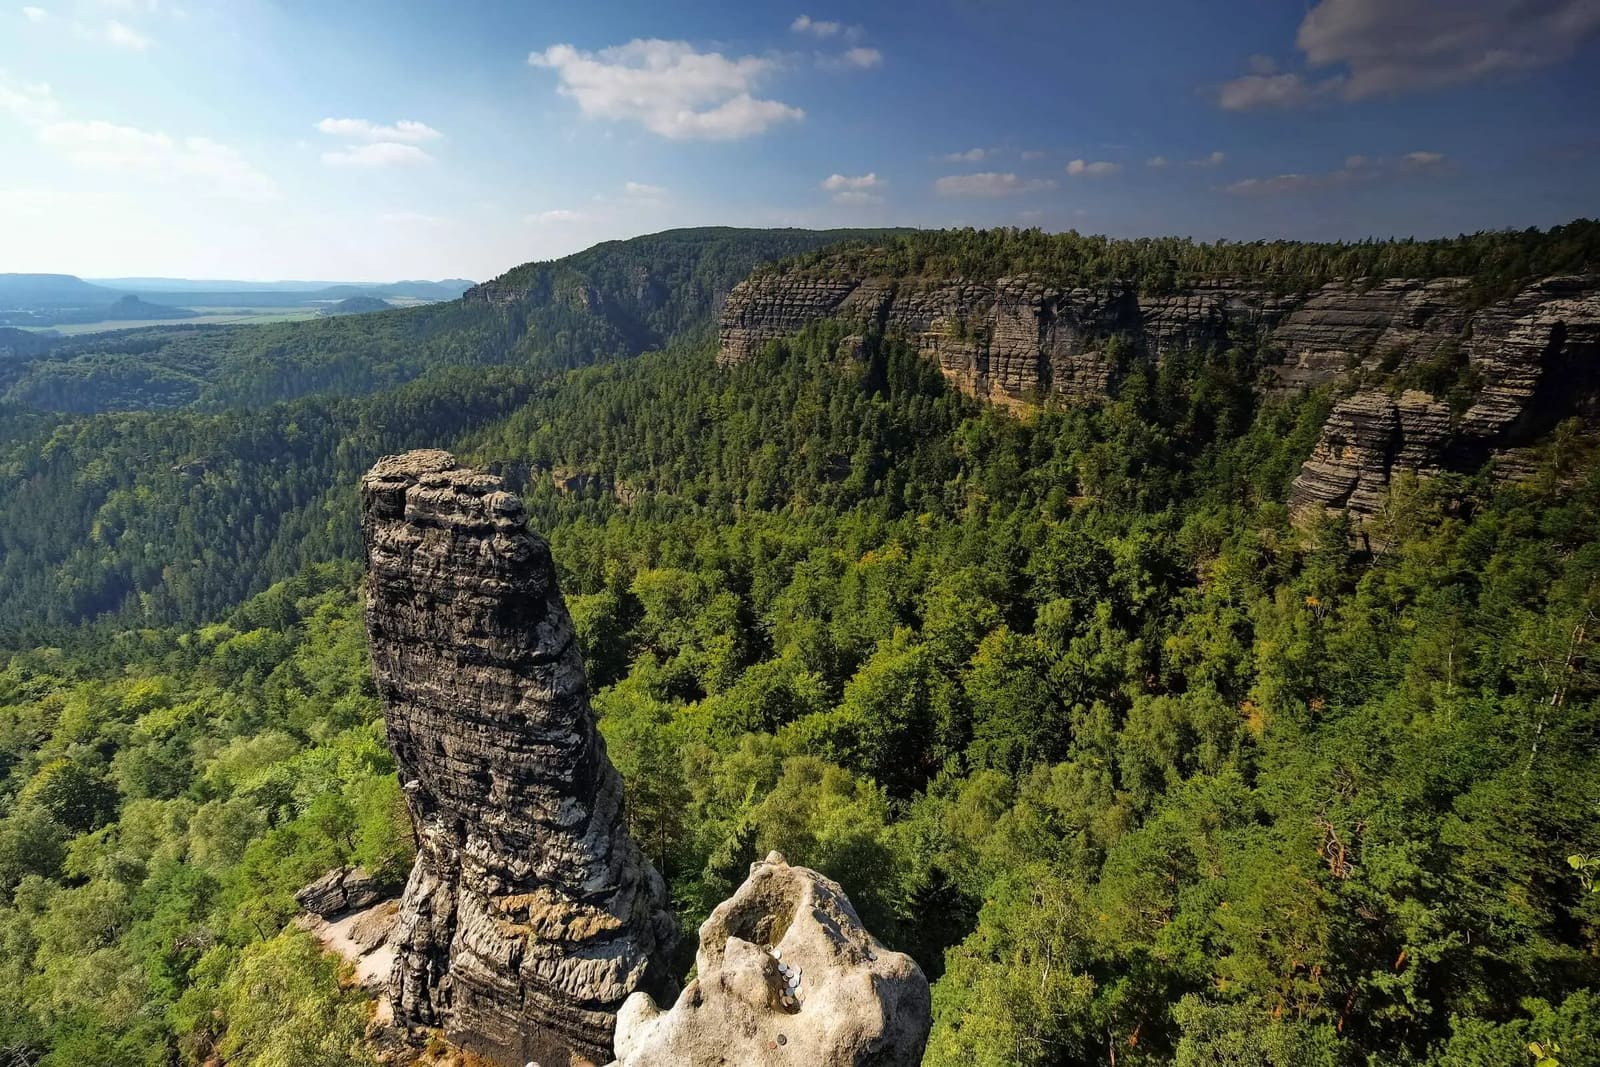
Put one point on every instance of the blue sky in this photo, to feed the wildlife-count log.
(383, 140)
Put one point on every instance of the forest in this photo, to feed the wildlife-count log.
(1137, 768)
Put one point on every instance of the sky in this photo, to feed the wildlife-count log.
(375, 141)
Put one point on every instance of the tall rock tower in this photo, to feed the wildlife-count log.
(530, 914)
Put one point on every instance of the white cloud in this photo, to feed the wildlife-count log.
(1033, 154)
(377, 154)
(98, 145)
(553, 216)
(1278, 183)
(35, 14)
(835, 182)
(1356, 168)
(1096, 168)
(124, 36)
(642, 190)
(1156, 161)
(971, 155)
(669, 88)
(405, 131)
(1380, 47)
(1215, 159)
(854, 190)
(807, 24)
(863, 58)
(31, 104)
(989, 184)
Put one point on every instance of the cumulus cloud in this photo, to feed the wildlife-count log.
(641, 190)
(35, 14)
(553, 216)
(807, 24)
(669, 88)
(1215, 159)
(405, 131)
(1096, 168)
(971, 155)
(377, 154)
(990, 184)
(1380, 47)
(1357, 168)
(93, 144)
(862, 58)
(854, 190)
(835, 182)
(1156, 161)
(124, 36)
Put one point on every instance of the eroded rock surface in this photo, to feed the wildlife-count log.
(340, 890)
(530, 915)
(1534, 359)
(786, 974)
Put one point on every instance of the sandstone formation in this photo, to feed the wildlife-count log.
(340, 890)
(786, 974)
(1532, 358)
(530, 915)
(1535, 359)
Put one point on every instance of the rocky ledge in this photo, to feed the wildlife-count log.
(530, 915)
(1534, 359)
(785, 974)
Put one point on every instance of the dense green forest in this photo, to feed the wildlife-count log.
(1494, 262)
(1139, 770)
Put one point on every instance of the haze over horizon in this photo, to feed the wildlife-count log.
(263, 141)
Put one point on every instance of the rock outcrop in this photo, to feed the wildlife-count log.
(1534, 359)
(340, 890)
(786, 974)
(1015, 338)
(530, 915)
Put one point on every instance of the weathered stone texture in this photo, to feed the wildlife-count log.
(785, 974)
(530, 915)
(340, 890)
(1535, 357)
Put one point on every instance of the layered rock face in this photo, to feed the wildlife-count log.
(1536, 359)
(530, 915)
(1022, 337)
(1533, 357)
(786, 974)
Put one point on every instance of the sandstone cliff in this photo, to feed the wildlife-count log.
(785, 974)
(530, 915)
(1531, 358)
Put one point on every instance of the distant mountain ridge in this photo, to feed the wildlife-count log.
(62, 299)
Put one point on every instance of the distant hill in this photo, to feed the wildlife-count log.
(443, 289)
(131, 308)
(357, 305)
(30, 291)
